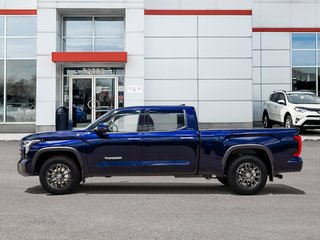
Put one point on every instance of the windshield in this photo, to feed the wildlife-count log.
(303, 98)
(99, 120)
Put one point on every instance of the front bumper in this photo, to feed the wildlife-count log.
(307, 121)
(23, 167)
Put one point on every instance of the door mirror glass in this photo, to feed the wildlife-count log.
(102, 128)
(282, 102)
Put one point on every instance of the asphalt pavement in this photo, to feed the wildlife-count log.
(160, 207)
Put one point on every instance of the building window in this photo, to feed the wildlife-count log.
(18, 69)
(93, 34)
(305, 63)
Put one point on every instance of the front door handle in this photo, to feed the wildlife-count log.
(134, 139)
(186, 138)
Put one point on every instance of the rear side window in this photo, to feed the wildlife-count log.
(165, 120)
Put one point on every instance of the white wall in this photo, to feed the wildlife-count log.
(203, 61)
(18, 4)
(271, 67)
(198, 4)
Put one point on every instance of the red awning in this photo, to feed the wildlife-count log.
(89, 57)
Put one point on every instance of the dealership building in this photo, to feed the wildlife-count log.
(224, 57)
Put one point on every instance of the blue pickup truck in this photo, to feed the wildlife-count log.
(159, 140)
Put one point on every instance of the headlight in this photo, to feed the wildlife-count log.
(300, 110)
(27, 144)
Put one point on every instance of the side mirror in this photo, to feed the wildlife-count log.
(101, 128)
(282, 102)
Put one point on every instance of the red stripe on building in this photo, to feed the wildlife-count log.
(89, 57)
(286, 29)
(197, 12)
(18, 12)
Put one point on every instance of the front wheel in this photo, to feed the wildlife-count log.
(59, 175)
(223, 180)
(247, 175)
(288, 122)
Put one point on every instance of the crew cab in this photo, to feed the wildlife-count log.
(159, 140)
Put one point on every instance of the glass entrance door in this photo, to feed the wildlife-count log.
(91, 97)
(80, 101)
(105, 95)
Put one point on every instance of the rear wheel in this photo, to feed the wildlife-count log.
(247, 175)
(59, 175)
(266, 121)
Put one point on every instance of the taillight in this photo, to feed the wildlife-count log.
(298, 139)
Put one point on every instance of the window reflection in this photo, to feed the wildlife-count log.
(21, 26)
(106, 45)
(21, 91)
(21, 48)
(1, 89)
(98, 34)
(108, 26)
(304, 79)
(303, 40)
(303, 57)
(1, 47)
(1, 26)
(78, 45)
(77, 26)
(121, 91)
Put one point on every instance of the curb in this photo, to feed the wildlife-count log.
(9, 137)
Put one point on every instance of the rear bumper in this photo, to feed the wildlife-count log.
(23, 168)
(293, 165)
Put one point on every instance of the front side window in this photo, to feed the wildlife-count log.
(124, 121)
(281, 97)
(93, 34)
(165, 120)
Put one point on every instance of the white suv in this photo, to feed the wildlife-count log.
(292, 109)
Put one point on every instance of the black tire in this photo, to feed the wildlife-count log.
(247, 175)
(223, 180)
(59, 175)
(288, 122)
(266, 121)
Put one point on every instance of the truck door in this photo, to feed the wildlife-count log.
(118, 151)
(168, 146)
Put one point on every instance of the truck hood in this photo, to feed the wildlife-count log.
(59, 135)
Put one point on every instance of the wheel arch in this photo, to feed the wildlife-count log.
(285, 115)
(43, 154)
(260, 151)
